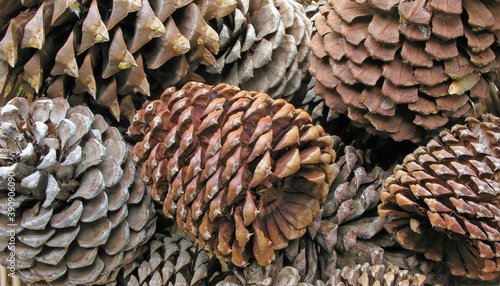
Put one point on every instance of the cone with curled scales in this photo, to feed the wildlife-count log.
(443, 201)
(114, 53)
(80, 210)
(242, 173)
(405, 68)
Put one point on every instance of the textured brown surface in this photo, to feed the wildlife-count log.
(405, 68)
(364, 274)
(443, 200)
(80, 211)
(242, 173)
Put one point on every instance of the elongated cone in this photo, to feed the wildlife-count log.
(443, 200)
(171, 260)
(405, 68)
(263, 47)
(78, 210)
(242, 173)
(364, 274)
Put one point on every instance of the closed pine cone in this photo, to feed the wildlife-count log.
(241, 172)
(365, 274)
(80, 211)
(443, 201)
(404, 68)
(170, 260)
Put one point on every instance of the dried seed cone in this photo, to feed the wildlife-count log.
(443, 200)
(263, 47)
(170, 260)
(404, 68)
(80, 210)
(101, 51)
(364, 274)
(271, 275)
(241, 172)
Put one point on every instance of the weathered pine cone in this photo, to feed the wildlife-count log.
(404, 68)
(443, 200)
(263, 47)
(364, 274)
(270, 275)
(241, 172)
(339, 235)
(104, 49)
(170, 260)
(80, 208)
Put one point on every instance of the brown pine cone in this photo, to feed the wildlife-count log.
(364, 274)
(443, 201)
(241, 172)
(80, 209)
(263, 47)
(405, 68)
(102, 50)
(170, 260)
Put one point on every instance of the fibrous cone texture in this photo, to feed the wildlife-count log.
(263, 47)
(405, 68)
(242, 173)
(443, 200)
(171, 260)
(114, 53)
(70, 196)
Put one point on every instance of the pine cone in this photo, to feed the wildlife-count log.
(170, 260)
(263, 47)
(364, 274)
(404, 68)
(81, 210)
(444, 199)
(241, 172)
(105, 48)
(271, 275)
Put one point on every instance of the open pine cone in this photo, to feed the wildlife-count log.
(80, 209)
(443, 201)
(241, 172)
(170, 260)
(404, 68)
(263, 47)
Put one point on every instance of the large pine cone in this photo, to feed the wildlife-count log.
(444, 199)
(263, 47)
(171, 260)
(404, 68)
(241, 172)
(105, 48)
(81, 210)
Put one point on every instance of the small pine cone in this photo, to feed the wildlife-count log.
(80, 209)
(241, 172)
(443, 201)
(364, 274)
(101, 51)
(263, 47)
(170, 260)
(404, 68)
(256, 275)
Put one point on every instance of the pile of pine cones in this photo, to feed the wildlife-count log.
(241, 142)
